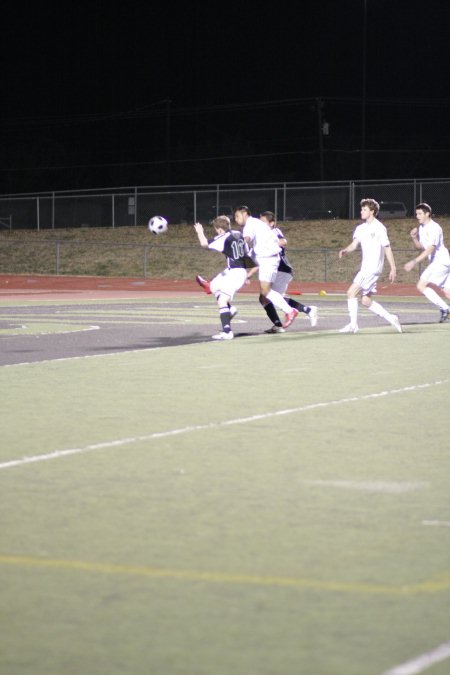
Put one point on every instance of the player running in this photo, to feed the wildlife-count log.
(282, 281)
(372, 236)
(266, 252)
(429, 239)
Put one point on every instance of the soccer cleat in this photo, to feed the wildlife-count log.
(275, 329)
(203, 283)
(290, 318)
(349, 329)
(445, 313)
(233, 311)
(396, 323)
(312, 315)
(223, 336)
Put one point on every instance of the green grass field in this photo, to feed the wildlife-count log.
(256, 507)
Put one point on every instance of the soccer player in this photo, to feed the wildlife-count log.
(231, 243)
(282, 281)
(429, 239)
(266, 252)
(372, 236)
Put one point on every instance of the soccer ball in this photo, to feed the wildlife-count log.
(157, 225)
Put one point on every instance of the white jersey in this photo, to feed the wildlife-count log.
(431, 234)
(263, 239)
(373, 239)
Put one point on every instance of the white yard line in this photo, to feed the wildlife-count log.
(422, 662)
(215, 425)
(391, 487)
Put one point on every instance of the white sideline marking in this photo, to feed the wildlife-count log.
(422, 662)
(392, 487)
(439, 523)
(215, 425)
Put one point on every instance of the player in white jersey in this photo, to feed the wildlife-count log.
(224, 285)
(429, 239)
(282, 280)
(372, 236)
(266, 252)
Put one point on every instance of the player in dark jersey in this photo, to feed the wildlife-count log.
(232, 244)
(282, 281)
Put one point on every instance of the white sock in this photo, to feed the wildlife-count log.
(278, 300)
(377, 309)
(352, 304)
(434, 298)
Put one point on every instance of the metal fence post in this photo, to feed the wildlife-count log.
(57, 256)
(38, 214)
(113, 210)
(145, 260)
(53, 210)
(326, 265)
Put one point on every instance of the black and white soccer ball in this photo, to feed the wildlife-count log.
(158, 225)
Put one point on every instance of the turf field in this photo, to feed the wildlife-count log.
(272, 505)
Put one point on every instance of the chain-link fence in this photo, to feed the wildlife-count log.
(101, 258)
(120, 207)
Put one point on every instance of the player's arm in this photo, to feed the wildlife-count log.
(348, 249)
(422, 256)
(282, 241)
(415, 239)
(198, 227)
(391, 261)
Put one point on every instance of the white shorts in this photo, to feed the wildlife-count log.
(437, 274)
(268, 268)
(367, 282)
(282, 281)
(229, 281)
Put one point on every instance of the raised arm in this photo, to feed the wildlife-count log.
(198, 227)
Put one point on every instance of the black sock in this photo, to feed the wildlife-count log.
(272, 314)
(298, 305)
(225, 318)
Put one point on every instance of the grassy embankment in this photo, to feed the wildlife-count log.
(131, 251)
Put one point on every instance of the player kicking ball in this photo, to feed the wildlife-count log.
(231, 243)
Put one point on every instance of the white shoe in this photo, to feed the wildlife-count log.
(233, 311)
(349, 329)
(275, 329)
(223, 336)
(396, 323)
(312, 315)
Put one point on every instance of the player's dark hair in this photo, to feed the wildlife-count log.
(425, 207)
(371, 203)
(269, 215)
(243, 208)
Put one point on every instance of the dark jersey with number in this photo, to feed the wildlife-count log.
(233, 246)
(284, 265)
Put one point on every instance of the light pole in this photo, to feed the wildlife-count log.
(168, 139)
(363, 94)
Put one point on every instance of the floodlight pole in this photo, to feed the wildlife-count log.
(364, 94)
(168, 139)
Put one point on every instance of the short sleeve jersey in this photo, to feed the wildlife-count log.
(373, 239)
(284, 265)
(431, 234)
(232, 245)
(264, 240)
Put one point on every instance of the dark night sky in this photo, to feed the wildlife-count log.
(84, 91)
